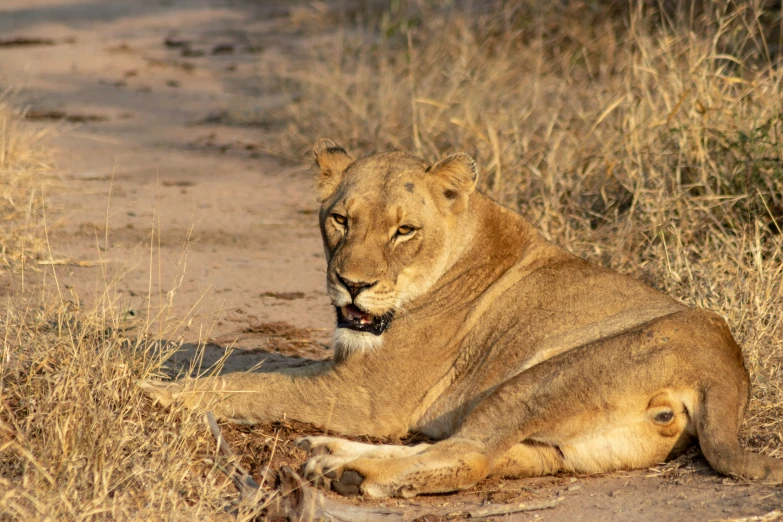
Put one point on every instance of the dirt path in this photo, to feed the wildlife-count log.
(145, 91)
(117, 72)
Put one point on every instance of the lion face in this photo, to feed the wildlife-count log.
(392, 225)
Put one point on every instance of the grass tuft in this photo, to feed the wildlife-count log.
(78, 439)
(23, 164)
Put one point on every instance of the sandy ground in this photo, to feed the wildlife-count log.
(163, 189)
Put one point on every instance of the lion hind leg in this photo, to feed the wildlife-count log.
(638, 432)
(529, 459)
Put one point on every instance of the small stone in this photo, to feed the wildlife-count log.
(187, 52)
(223, 49)
(173, 43)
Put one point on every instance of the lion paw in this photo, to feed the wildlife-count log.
(165, 393)
(349, 483)
(320, 445)
(329, 471)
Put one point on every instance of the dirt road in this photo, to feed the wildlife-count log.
(168, 185)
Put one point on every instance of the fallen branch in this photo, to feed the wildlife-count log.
(493, 511)
(310, 504)
(242, 480)
(769, 517)
(25, 42)
(70, 262)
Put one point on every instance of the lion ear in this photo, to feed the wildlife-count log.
(456, 177)
(332, 160)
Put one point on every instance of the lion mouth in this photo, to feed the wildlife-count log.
(352, 317)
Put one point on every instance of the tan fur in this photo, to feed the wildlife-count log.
(522, 358)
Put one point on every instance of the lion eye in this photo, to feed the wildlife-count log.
(405, 230)
(339, 219)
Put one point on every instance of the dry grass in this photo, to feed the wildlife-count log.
(78, 440)
(23, 164)
(645, 141)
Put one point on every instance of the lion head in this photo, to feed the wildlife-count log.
(392, 225)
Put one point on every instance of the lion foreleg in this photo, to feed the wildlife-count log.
(228, 397)
(346, 448)
(314, 394)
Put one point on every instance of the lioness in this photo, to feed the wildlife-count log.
(457, 320)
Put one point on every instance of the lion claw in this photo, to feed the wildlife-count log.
(312, 446)
(303, 443)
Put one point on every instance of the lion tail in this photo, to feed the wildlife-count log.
(717, 426)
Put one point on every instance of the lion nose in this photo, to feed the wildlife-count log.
(354, 287)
